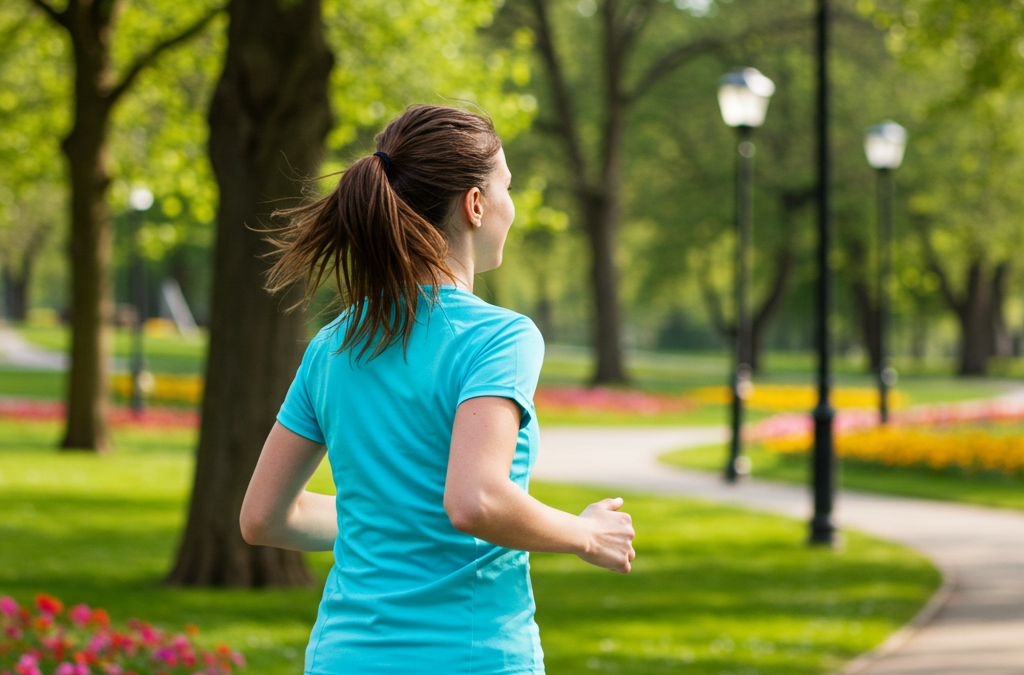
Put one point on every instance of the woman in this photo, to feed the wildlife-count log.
(421, 396)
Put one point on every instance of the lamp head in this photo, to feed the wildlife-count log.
(884, 144)
(140, 199)
(743, 96)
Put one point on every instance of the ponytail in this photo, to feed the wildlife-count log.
(381, 231)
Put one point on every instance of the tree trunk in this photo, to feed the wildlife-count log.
(92, 232)
(268, 120)
(602, 225)
(975, 314)
(1002, 341)
(17, 279)
(865, 304)
(15, 294)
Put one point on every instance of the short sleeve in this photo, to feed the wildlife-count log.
(297, 412)
(508, 365)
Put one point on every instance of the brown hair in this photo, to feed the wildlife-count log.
(381, 231)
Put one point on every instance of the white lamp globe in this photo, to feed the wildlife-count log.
(140, 199)
(743, 96)
(884, 144)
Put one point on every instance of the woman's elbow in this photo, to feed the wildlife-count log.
(254, 528)
(468, 515)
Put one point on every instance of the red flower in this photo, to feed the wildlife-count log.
(48, 604)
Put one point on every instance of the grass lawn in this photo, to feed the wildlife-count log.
(713, 590)
(949, 485)
(165, 354)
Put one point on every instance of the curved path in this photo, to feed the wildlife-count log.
(974, 626)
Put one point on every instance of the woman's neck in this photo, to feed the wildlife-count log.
(462, 267)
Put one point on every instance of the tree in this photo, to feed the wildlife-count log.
(90, 26)
(593, 109)
(269, 119)
(33, 90)
(965, 202)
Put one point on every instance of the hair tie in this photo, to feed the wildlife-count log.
(387, 160)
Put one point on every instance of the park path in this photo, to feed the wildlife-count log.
(974, 625)
(17, 352)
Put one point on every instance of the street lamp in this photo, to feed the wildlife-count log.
(823, 462)
(140, 200)
(884, 145)
(743, 96)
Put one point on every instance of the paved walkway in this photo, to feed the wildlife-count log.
(16, 352)
(974, 626)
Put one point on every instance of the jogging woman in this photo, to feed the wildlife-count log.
(420, 394)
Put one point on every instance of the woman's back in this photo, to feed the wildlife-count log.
(406, 585)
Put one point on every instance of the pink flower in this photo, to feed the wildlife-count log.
(65, 669)
(80, 615)
(8, 605)
(28, 664)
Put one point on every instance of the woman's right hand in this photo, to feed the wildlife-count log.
(610, 536)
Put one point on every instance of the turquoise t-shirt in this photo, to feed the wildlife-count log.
(408, 593)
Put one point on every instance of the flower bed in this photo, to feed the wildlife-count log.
(783, 397)
(34, 409)
(600, 399)
(161, 387)
(963, 435)
(44, 640)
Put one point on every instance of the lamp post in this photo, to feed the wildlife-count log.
(743, 96)
(140, 200)
(823, 459)
(884, 144)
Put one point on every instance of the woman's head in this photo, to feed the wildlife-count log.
(439, 179)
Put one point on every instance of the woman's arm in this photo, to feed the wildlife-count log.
(481, 499)
(277, 510)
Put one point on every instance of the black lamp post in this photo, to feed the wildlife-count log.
(824, 468)
(884, 145)
(140, 199)
(743, 96)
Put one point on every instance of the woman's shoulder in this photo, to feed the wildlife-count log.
(472, 316)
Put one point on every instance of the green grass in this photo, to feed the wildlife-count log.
(170, 354)
(983, 489)
(46, 384)
(713, 589)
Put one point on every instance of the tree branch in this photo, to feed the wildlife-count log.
(566, 121)
(945, 287)
(150, 56)
(58, 17)
(633, 24)
(708, 45)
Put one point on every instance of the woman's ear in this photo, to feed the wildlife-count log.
(473, 207)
